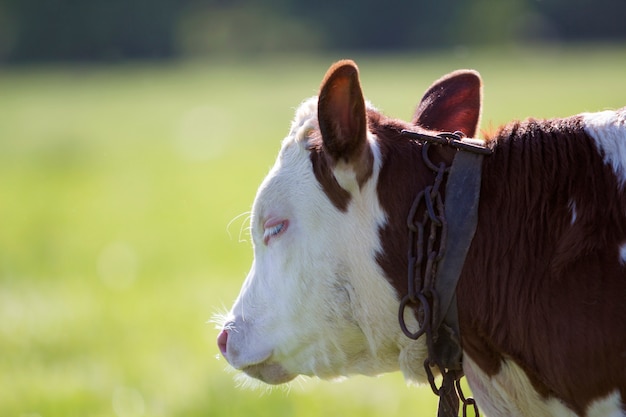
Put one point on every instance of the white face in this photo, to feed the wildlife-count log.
(315, 301)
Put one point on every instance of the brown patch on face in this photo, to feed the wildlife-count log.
(364, 168)
(324, 175)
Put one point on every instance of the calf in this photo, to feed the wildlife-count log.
(542, 294)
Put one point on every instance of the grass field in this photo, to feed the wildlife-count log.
(118, 185)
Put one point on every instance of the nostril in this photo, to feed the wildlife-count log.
(222, 341)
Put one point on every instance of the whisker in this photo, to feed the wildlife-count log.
(246, 382)
(243, 229)
(248, 214)
(220, 319)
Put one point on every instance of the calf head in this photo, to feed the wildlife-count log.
(329, 233)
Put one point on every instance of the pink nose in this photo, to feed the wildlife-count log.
(222, 341)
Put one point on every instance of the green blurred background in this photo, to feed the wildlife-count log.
(133, 135)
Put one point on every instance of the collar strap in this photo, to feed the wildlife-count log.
(461, 211)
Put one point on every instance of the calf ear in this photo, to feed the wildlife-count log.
(341, 111)
(343, 122)
(452, 103)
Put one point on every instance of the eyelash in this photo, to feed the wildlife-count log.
(271, 229)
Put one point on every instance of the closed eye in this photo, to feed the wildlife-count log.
(273, 228)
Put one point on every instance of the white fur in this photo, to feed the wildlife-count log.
(622, 253)
(315, 301)
(574, 213)
(608, 128)
(609, 406)
(510, 393)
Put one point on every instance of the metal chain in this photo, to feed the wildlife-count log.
(422, 269)
(423, 261)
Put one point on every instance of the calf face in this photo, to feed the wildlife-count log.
(322, 295)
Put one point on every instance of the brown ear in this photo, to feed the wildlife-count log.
(452, 103)
(341, 112)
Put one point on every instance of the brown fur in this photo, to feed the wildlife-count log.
(535, 288)
(547, 293)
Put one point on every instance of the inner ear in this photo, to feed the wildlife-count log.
(452, 103)
(341, 112)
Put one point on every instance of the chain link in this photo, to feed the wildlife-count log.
(467, 402)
